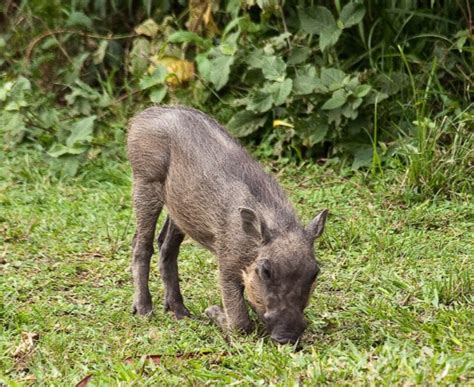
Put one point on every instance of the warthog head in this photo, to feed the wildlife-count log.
(280, 281)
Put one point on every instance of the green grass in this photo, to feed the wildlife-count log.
(393, 304)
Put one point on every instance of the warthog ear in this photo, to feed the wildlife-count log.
(316, 227)
(253, 225)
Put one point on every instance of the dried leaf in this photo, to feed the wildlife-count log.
(24, 350)
(84, 382)
(180, 71)
(147, 28)
(27, 344)
(282, 123)
(155, 359)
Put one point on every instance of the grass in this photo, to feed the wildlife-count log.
(393, 304)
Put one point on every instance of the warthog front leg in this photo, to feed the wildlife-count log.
(234, 316)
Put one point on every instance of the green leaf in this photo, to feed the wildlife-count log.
(81, 131)
(362, 157)
(356, 103)
(306, 81)
(298, 55)
(22, 84)
(349, 112)
(5, 90)
(281, 91)
(312, 130)
(204, 67)
(255, 59)
(319, 20)
(273, 68)
(99, 54)
(158, 77)
(58, 150)
(316, 19)
(332, 77)
(14, 124)
(260, 102)
(139, 56)
(329, 38)
(351, 14)
(189, 37)
(220, 70)
(304, 85)
(16, 105)
(158, 93)
(461, 38)
(362, 90)
(228, 48)
(245, 122)
(79, 19)
(339, 98)
(70, 166)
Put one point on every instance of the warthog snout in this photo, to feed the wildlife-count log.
(285, 326)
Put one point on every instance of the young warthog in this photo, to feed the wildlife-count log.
(219, 196)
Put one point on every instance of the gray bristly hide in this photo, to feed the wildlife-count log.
(219, 196)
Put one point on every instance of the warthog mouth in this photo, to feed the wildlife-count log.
(284, 338)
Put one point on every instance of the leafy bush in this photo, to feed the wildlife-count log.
(327, 81)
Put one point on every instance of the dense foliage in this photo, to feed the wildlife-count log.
(335, 81)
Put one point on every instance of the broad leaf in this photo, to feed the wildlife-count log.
(5, 90)
(332, 77)
(158, 93)
(339, 98)
(307, 82)
(81, 131)
(158, 77)
(189, 37)
(58, 150)
(362, 90)
(139, 56)
(362, 156)
(245, 122)
(281, 91)
(273, 68)
(70, 166)
(298, 55)
(13, 125)
(228, 48)
(255, 59)
(220, 70)
(351, 14)
(79, 19)
(329, 38)
(316, 19)
(312, 130)
(260, 102)
(204, 67)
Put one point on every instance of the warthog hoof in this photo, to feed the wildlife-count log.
(143, 307)
(179, 310)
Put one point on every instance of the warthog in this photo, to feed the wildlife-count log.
(219, 196)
